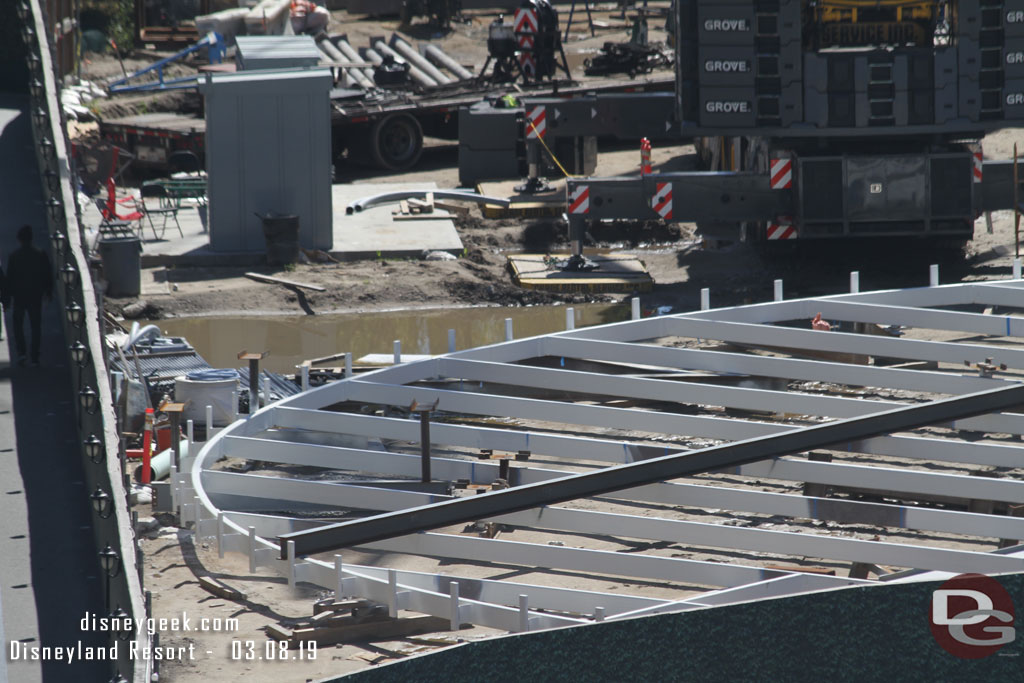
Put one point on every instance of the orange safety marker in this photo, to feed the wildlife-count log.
(147, 447)
(645, 156)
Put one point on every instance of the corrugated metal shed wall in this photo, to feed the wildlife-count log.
(268, 150)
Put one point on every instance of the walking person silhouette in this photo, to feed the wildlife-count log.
(28, 281)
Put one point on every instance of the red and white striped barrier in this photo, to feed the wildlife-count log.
(781, 228)
(781, 171)
(536, 126)
(979, 161)
(526, 29)
(662, 200)
(579, 199)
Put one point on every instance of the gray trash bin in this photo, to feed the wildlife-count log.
(282, 235)
(122, 265)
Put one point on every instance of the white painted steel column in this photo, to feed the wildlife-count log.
(453, 592)
(854, 281)
(305, 377)
(933, 275)
(398, 351)
(570, 318)
(778, 290)
(508, 329)
(634, 305)
(705, 299)
(451, 341)
(1016, 269)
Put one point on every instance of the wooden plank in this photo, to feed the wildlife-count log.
(281, 281)
(218, 588)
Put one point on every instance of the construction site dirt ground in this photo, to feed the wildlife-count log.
(681, 262)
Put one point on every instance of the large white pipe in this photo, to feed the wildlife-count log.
(353, 56)
(417, 73)
(417, 60)
(438, 55)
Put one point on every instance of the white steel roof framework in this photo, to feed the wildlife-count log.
(615, 394)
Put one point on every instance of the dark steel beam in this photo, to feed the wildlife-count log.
(392, 524)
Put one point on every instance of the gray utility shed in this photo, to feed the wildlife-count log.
(268, 150)
(276, 52)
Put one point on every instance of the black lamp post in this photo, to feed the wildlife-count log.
(110, 562)
(52, 180)
(88, 399)
(56, 208)
(79, 353)
(101, 503)
(35, 87)
(75, 314)
(124, 622)
(93, 449)
(39, 115)
(24, 10)
(68, 273)
(58, 238)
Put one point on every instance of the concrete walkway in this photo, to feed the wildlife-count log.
(49, 571)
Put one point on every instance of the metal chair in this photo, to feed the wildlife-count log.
(166, 206)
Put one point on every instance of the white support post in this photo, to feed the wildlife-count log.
(265, 387)
(933, 275)
(305, 377)
(398, 351)
(705, 299)
(854, 281)
(291, 564)
(1016, 269)
(508, 329)
(196, 514)
(524, 613)
(348, 363)
(235, 397)
(190, 430)
(209, 422)
(570, 318)
(453, 591)
(392, 593)
(339, 591)
(451, 341)
(778, 290)
(220, 535)
(599, 614)
(173, 476)
(252, 550)
(635, 308)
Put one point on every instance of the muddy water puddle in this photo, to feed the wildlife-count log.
(291, 340)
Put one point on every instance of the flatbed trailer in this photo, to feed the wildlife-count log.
(384, 129)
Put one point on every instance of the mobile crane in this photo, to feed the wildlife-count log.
(815, 119)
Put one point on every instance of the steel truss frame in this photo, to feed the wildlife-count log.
(746, 394)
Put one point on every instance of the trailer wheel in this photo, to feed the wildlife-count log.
(396, 142)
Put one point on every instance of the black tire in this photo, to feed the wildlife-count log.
(396, 142)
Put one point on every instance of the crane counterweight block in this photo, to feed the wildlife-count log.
(695, 196)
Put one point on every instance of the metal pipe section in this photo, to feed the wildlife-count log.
(418, 75)
(390, 197)
(436, 54)
(416, 59)
(392, 524)
(350, 73)
(350, 53)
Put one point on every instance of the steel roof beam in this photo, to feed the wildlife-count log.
(729, 363)
(842, 342)
(691, 495)
(611, 479)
